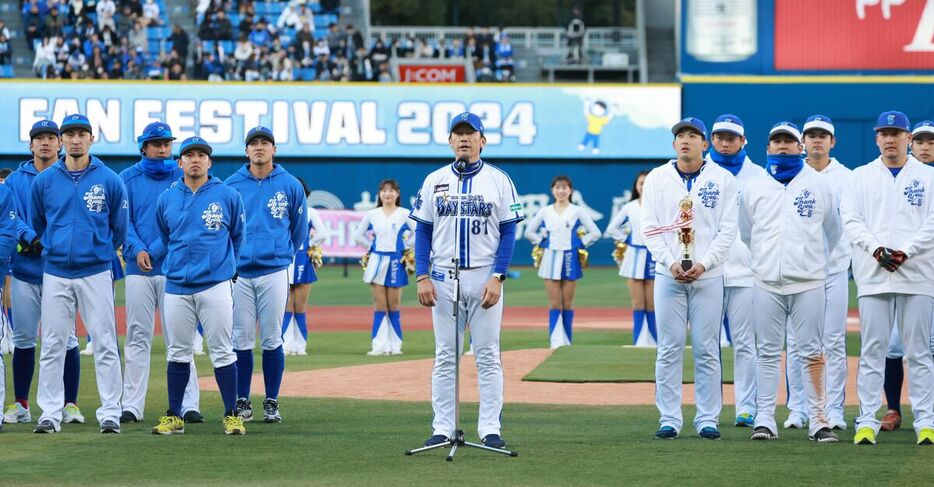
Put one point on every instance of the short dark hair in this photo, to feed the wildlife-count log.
(392, 183)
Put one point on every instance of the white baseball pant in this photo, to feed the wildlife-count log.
(805, 313)
(794, 384)
(61, 299)
(260, 299)
(739, 311)
(837, 292)
(912, 314)
(677, 304)
(484, 333)
(27, 314)
(145, 294)
(214, 308)
(896, 347)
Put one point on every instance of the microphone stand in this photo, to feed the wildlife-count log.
(457, 439)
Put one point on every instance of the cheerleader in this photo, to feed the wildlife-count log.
(561, 231)
(636, 264)
(302, 273)
(386, 270)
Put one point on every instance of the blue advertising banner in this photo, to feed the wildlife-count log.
(358, 120)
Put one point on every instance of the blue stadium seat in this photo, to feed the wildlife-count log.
(306, 74)
(6, 70)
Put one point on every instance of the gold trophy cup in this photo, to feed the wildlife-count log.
(686, 233)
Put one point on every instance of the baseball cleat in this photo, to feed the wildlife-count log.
(795, 421)
(193, 417)
(709, 433)
(244, 409)
(824, 435)
(16, 413)
(72, 414)
(666, 433)
(169, 425)
(87, 350)
(761, 433)
(47, 426)
(926, 436)
(110, 426)
(864, 436)
(436, 440)
(233, 425)
(376, 353)
(494, 441)
(744, 420)
(129, 417)
(271, 411)
(891, 421)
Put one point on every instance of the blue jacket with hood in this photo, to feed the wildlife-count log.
(143, 190)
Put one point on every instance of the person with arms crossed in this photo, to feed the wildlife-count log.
(26, 286)
(485, 210)
(888, 216)
(637, 264)
(201, 225)
(392, 235)
(689, 224)
(562, 230)
(82, 203)
(790, 221)
(277, 226)
(728, 150)
(145, 280)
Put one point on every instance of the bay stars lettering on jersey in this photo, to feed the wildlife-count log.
(470, 205)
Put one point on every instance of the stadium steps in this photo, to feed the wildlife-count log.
(22, 52)
(527, 65)
(660, 49)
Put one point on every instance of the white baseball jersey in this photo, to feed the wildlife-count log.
(737, 271)
(393, 233)
(881, 211)
(715, 216)
(559, 230)
(626, 224)
(315, 223)
(838, 177)
(487, 198)
(790, 230)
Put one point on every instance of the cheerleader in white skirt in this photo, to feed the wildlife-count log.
(302, 273)
(637, 265)
(387, 232)
(557, 230)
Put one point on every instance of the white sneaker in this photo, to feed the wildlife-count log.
(301, 352)
(16, 413)
(395, 352)
(595, 151)
(87, 350)
(376, 353)
(580, 147)
(72, 414)
(795, 421)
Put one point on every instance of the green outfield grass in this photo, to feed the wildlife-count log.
(601, 287)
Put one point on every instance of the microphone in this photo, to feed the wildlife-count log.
(461, 164)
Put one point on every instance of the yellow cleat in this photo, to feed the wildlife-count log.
(866, 436)
(233, 425)
(169, 425)
(926, 436)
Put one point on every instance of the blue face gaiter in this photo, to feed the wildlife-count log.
(158, 167)
(731, 163)
(784, 167)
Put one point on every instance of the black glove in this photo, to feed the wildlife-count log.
(234, 278)
(889, 259)
(33, 248)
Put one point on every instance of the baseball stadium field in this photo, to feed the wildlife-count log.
(329, 438)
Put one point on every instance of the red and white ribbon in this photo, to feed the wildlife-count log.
(679, 223)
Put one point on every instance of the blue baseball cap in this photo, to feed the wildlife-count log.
(259, 132)
(467, 118)
(818, 122)
(691, 123)
(893, 120)
(922, 127)
(192, 143)
(785, 128)
(76, 121)
(728, 123)
(43, 127)
(154, 131)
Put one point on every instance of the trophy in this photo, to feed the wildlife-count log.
(686, 233)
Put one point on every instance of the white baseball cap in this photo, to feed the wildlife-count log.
(821, 122)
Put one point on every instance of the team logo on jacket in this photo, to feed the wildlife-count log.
(213, 216)
(915, 193)
(95, 198)
(806, 202)
(709, 194)
(278, 205)
(417, 204)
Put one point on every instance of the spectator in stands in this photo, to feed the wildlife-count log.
(76, 57)
(575, 33)
(260, 35)
(456, 50)
(380, 53)
(116, 70)
(246, 24)
(76, 12)
(154, 70)
(422, 49)
(85, 28)
(151, 14)
(353, 39)
(177, 72)
(94, 42)
(384, 76)
(295, 15)
(133, 70)
(60, 52)
(135, 6)
(124, 21)
(179, 40)
(4, 30)
(41, 8)
(213, 68)
(34, 25)
(361, 67)
(242, 53)
(245, 7)
(334, 36)
(138, 37)
(441, 49)
(216, 27)
(282, 67)
(5, 53)
(505, 67)
(106, 9)
(53, 23)
(108, 37)
(97, 64)
(305, 35)
(321, 49)
(323, 66)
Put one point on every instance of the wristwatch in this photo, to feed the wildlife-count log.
(499, 276)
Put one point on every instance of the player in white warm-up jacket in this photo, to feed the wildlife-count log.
(695, 295)
(888, 215)
(790, 221)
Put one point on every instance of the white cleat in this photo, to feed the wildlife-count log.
(72, 414)
(16, 413)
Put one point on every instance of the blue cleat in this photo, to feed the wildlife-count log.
(493, 441)
(436, 440)
(666, 433)
(710, 433)
(745, 420)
